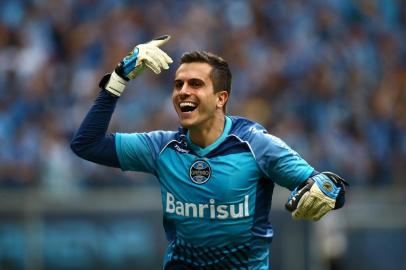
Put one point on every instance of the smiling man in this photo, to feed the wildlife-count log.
(201, 89)
(217, 172)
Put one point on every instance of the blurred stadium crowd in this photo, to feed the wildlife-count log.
(327, 76)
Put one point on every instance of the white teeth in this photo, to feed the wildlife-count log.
(184, 104)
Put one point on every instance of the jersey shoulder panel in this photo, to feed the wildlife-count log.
(248, 131)
(139, 151)
(243, 127)
(276, 159)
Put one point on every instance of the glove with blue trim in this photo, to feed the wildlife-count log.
(317, 196)
(147, 54)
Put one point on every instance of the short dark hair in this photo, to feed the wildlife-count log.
(220, 74)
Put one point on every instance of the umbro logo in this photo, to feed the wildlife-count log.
(179, 149)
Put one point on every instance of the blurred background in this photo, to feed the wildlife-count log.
(327, 76)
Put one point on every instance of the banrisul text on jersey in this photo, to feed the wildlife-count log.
(207, 210)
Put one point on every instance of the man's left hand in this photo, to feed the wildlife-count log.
(317, 196)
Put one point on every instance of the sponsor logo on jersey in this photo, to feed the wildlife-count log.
(207, 210)
(200, 172)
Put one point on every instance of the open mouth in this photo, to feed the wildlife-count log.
(187, 106)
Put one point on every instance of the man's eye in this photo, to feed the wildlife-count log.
(195, 83)
(178, 84)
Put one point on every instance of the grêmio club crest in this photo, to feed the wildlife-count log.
(200, 172)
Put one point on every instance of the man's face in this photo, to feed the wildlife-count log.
(193, 96)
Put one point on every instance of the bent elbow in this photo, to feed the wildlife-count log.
(77, 147)
(101, 151)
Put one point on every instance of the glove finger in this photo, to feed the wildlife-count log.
(322, 211)
(160, 58)
(310, 210)
(302, 207)
(159, 41)
(310, 207)
(167, 58)
(315, 209)
(153, 67)
(321, 204)
(151, 54)
(306, 202)
(152, 64)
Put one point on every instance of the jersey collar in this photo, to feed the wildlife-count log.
(205, 150)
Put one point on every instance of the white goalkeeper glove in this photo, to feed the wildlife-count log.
(317, 196)
(147, 54)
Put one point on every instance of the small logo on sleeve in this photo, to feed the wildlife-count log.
(200, 172)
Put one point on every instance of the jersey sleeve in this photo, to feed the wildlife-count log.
(277, 160)
(140, 151)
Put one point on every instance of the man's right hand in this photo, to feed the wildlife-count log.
(147, 54)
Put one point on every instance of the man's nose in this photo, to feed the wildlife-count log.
(184, 90)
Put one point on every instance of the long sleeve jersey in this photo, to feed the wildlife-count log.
(216, 200)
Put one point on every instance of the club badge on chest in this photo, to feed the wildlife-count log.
(200, 171)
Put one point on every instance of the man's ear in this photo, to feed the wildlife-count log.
(222, 97)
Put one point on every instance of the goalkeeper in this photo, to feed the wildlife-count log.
(217, 172)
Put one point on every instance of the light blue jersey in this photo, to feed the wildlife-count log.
(216, 200)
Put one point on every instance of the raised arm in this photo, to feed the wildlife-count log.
(91, 141)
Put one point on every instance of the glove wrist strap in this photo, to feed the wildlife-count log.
(116, 84)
